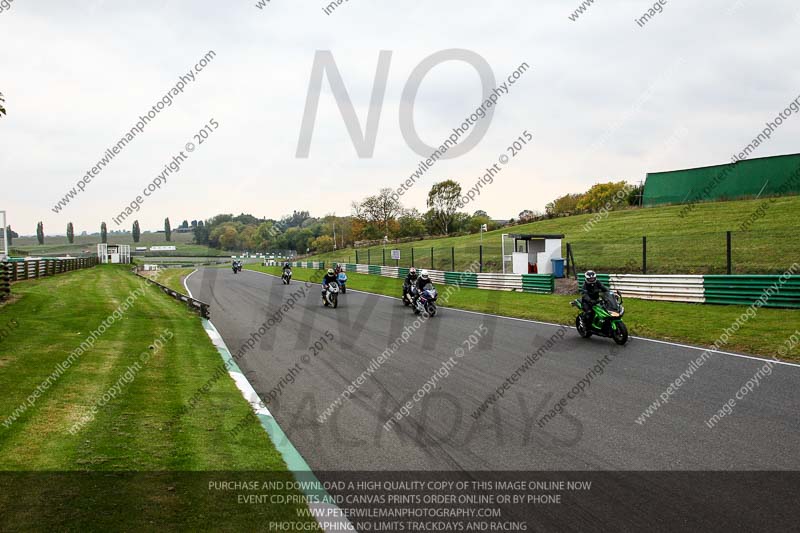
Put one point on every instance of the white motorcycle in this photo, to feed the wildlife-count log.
(287, 277)
(331, 295)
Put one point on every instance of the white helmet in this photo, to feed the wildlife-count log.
(423, 274)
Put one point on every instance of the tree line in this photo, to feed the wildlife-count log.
(136, 232)
(382, 216)
(375, 218)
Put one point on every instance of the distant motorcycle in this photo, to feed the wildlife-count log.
(287, 277)
(237, 266)
(607, 320)
(342, 279)
(426, 301)
(331, 295)
(407, 298)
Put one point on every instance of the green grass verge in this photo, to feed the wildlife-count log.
(695, 324)
(131, 432)
(689, 245)
(172, 278)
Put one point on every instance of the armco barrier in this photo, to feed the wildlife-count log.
(540, 283)
(602, 277)
(194, 305)
(672, 288)
(308, 264)
(668, 288)
(779, 291)
(713, 289)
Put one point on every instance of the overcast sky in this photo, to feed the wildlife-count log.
(604, 99)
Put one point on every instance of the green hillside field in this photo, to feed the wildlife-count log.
(57, 245)
(694, 244)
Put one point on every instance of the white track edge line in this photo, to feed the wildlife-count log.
(337, 522)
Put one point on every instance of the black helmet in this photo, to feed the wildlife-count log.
(591, 276)
(412, 272)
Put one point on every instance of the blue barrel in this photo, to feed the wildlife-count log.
(558, 268)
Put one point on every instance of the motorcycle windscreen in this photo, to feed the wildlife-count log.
(610, 302)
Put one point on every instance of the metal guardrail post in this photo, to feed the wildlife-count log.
(728, 254)
(431, 257)
(567, 258)
(193, 304)
(453, 259)
(644, 255)
(480, 258)
(412, 256)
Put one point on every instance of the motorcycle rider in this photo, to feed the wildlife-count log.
(410, 281)
(423, 280)
(330, 277)
(590, 294)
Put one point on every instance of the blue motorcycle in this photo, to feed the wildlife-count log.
(426, 301)
(342, 279)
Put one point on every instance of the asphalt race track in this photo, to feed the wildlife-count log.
(596, 432)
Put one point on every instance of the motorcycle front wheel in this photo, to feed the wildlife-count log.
(431, 309)
(621, 333)
(335, 300)
(583, 331)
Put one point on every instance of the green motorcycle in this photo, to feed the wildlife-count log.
(607, 320)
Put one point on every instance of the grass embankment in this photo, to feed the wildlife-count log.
(675, 245)
(131, 432)
(183, 242)
(695, 324)
(170, 277)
